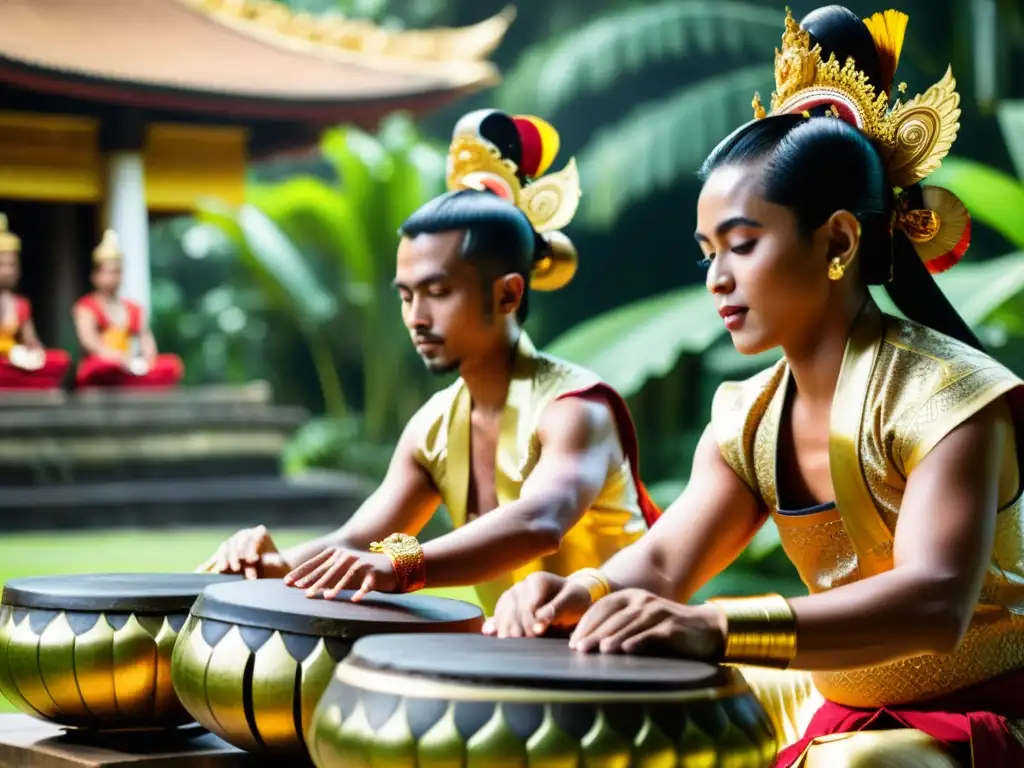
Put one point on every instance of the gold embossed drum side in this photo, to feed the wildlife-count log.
(255, 656)
(94, 651)
(402, 701)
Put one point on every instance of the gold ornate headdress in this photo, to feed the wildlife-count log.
(549, 201)
(9, 242)
(108, 249)
(913, 137)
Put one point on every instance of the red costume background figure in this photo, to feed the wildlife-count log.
(109, 327)
(24, 363)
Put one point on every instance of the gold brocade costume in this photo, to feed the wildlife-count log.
(613, 521)
(902, 388)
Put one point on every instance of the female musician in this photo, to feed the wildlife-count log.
(885, 450)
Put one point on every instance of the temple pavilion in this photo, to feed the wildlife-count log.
(116, 111)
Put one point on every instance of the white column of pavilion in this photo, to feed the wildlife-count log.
(125, 212)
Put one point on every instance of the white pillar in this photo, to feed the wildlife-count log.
(126, 213)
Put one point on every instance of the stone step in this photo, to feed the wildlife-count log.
(145, 467)
(315, 499)
(78, 419)
(77, 443)
(252, 393)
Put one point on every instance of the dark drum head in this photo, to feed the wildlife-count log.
(269, 604)
(529, 663)
(157, 593)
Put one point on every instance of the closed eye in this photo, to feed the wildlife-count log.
(744, 248)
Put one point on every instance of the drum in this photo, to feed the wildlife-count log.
(94, 651)
(404, 701)
(255, 656)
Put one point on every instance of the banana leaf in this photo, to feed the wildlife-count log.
(643, 340)
(994, 198)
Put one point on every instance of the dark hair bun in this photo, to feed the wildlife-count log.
(840, 31)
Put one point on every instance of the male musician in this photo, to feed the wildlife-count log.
(535, 458)
(107, 328)
(24, 364)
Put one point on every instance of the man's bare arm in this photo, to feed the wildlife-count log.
(404, 502)
(88, 333)
(697, 537)
(147, 344)
(579, 443)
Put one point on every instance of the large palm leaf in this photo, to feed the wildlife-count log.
(552, 73)
(983, 292)
(642, 340)
(994, 198)
(288, 281)
(658, 142)
(1011, 120)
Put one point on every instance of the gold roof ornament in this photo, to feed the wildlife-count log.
(913, 137)
(447, 44)
(9, 242)
(108, 248)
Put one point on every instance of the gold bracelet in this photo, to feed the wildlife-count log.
(593, 581)
(407, 559)
(761, 631)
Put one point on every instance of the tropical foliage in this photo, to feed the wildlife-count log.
(313, 258)
(664, 137)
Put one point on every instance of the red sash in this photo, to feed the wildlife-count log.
(627, 434)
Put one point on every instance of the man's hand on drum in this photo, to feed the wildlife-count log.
(637, 621)
(539, 603)
(338, 568)
(250, 552)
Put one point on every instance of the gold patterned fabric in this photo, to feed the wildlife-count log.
(902, 388)
(612, 522)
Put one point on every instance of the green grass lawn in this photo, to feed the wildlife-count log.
(150, 550)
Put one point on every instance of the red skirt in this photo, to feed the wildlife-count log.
(167, 371)
(50, 376)
(974, 720)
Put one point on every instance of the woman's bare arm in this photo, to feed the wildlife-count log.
(942, 547)
(697, 537)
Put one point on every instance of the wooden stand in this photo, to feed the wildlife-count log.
(26, 742)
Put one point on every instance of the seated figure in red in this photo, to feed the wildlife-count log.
(120, 348)
(24, 364)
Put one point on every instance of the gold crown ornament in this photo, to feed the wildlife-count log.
(913, 137)
(9, 242)
(549, 201)
(108, 248)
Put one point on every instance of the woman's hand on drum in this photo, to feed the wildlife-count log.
(537, 604)
(338, 568)
(637, 621)
(250, 552)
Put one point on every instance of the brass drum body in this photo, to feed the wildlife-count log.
(480, 702)
(254, 657)
(93, 651)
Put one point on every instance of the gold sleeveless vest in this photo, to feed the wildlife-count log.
(612, 522)
(901, 389)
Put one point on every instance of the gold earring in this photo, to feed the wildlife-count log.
(836, 269)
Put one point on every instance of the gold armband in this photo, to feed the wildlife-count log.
(407, 559)
(760, 631)
(593, 581)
